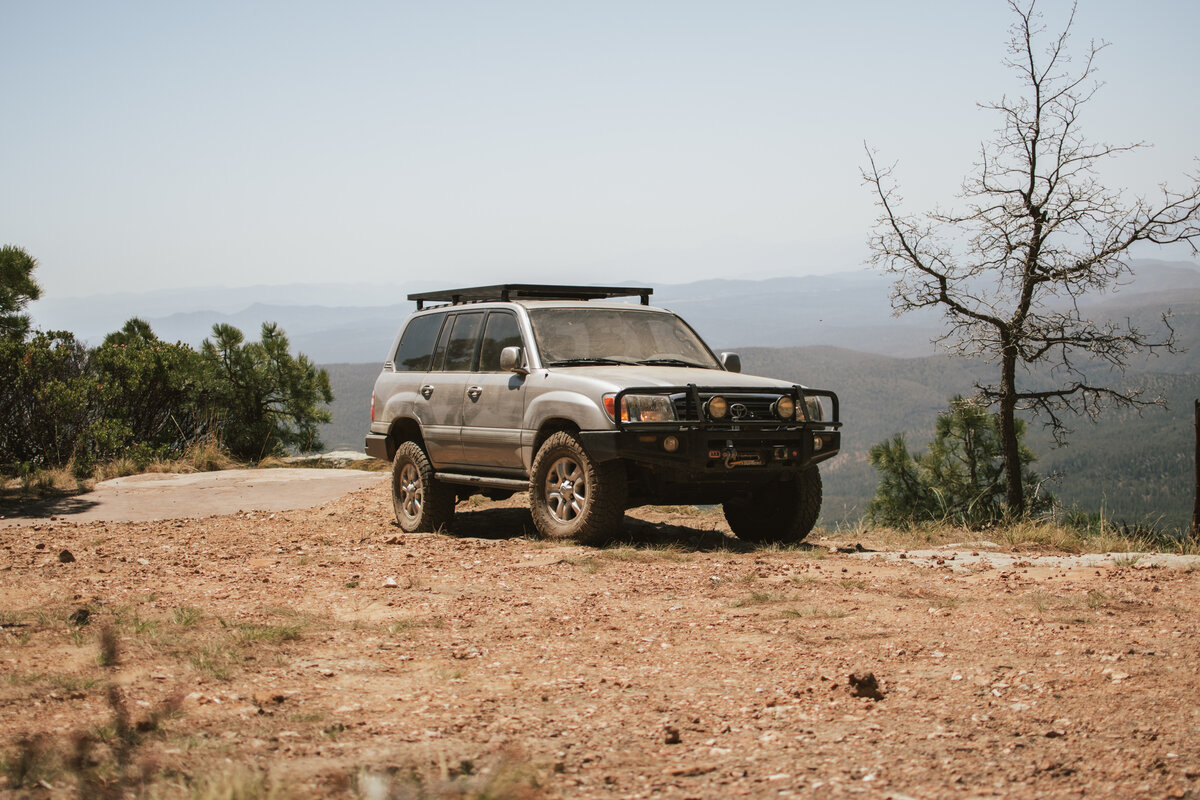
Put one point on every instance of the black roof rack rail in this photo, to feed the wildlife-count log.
(530, 291)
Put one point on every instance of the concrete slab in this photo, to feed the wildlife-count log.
(155, 496)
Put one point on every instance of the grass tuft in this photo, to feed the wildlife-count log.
(759, 598)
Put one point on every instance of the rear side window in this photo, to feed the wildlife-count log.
(416, 345)
(500, 332)
(460, 352)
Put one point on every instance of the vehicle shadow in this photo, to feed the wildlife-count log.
(517, 523)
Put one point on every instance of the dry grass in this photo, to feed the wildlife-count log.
(1041, 535)
(208, 455)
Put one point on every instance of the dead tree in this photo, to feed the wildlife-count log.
(1035, 232)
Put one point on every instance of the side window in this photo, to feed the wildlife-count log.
(416, 345)
(460, 352)
(439, 354)
(500, 332)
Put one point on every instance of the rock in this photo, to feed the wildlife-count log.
(390, 583)
(863, 684)
(80, 616)
(65, 557)
(670, 735)
(263, 698)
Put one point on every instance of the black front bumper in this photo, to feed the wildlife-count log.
(716, 453)
(700, 450)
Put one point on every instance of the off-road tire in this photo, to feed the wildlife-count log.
(422, 503)
(781, 513)
(573, 497)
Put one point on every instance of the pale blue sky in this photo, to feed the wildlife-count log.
(152, 145)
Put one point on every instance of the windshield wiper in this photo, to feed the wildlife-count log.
(585, 362)
(669, 362)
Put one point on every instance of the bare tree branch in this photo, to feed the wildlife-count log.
(1036, 232)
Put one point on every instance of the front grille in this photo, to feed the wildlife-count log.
(757, 406)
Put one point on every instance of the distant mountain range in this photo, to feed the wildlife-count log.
(355, 323)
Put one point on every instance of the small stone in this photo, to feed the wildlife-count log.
(80, 616)
(390, 583)
(863, 684)
(65, 557)
(670, 735)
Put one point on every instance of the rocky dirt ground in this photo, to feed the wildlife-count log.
(324, 653)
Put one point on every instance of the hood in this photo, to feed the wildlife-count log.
(616, 378)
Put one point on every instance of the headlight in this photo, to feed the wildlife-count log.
(785, 408)
(815, 412)
(642, 407)
(716, 407)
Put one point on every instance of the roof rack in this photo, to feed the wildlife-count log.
(529, 291)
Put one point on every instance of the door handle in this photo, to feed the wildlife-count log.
(474, 392)
(427, 390)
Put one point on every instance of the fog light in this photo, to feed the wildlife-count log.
(670, 444)
(785, 408)
(716, 407)
(818, 443)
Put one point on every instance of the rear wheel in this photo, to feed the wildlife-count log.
(572, 496)
(783, 512)
(422, 503)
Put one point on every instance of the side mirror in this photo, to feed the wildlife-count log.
(511, 361)
(731, 362)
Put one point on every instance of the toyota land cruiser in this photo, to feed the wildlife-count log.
(592, 406)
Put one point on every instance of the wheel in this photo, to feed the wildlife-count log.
(572, 496)
(782, 512)
(422, 503)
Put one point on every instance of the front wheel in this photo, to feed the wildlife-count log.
(572, 496)
(782, 513)
(422, 503)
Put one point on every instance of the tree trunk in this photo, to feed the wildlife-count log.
(1010, 447)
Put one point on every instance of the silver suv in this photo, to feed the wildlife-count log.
(592, 406)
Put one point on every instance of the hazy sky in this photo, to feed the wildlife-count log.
(158, 144)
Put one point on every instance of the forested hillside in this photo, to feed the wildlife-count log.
(1136, 468)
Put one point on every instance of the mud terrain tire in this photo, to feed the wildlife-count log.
(781, 513)
(422, 503)
(573, 497)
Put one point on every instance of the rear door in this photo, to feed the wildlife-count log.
(494, 404)
(446, 387)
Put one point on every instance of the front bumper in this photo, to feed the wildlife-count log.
(697, 449)
(728, 453)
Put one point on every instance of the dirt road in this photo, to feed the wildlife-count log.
(326, 652)
(172, 495)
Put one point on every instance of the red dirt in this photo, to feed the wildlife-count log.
(319, 646)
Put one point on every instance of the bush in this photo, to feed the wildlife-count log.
(143, 400)
(960, 479)
(268, 400)
(45, 394)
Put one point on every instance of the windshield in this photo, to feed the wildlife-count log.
(583, 336)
